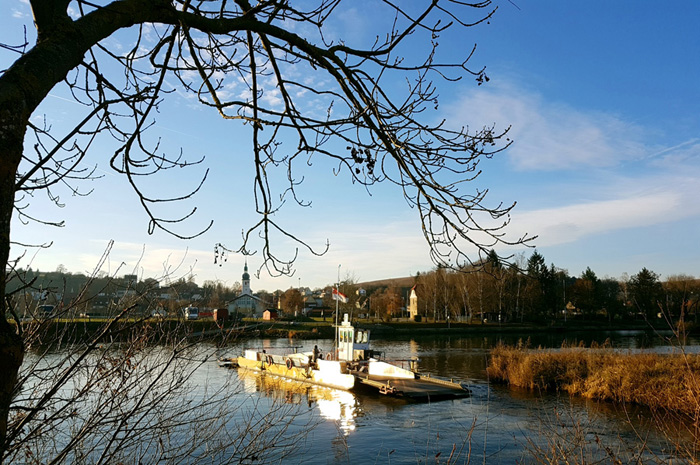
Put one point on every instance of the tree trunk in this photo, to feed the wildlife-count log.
(13, 123)
(11, 356)
(22, 88)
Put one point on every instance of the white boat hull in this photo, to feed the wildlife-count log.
(331, 373)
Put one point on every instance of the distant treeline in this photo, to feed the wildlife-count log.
(524, 290)
(533, 291)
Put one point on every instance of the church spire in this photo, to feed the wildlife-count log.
(245, 284)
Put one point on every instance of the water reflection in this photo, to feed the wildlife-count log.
(332, 404)
(495, 425)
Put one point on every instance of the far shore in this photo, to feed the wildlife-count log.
(86, 328)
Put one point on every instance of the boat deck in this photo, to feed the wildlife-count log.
(423, 388)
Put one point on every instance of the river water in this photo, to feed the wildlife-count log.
(234, 416)
(495, 425)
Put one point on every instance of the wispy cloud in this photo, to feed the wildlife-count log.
(152, 261)
(679, 157)
(548, 135)
(570, 223)
(614, 175)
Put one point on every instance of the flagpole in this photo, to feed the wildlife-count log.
(337, 298)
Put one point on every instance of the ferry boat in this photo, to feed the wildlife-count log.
(336, 369)
(303, 366)
(350, 364)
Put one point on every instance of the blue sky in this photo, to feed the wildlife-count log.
(603, 101)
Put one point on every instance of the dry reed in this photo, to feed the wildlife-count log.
(658, 381)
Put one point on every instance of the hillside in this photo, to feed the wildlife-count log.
(408, 281)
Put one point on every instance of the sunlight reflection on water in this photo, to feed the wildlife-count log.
(494, 425)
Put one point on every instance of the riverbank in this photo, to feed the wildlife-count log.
(404, 329)
(668, 382)
(81, 329)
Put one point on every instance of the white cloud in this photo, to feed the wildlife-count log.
(366, 252)
(144, 261)
(596, 172)
(569, 223)
(549, 136)
(679, 157)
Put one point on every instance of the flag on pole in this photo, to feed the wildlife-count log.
(337, 295)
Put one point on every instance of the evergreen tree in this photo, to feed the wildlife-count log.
(646, 292)
(541, 286)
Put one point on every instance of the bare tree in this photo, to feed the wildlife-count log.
(373, 130)
(682, 292)
(127, 391)
(387, 303)
(292, 301)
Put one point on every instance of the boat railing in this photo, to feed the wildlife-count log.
(437, 380)
(412, 362)
(296, 359)
(275, 349)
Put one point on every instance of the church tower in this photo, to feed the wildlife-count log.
(245, 281)
(413, 304)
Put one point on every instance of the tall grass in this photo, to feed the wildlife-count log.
(659, 381)
(668, 384)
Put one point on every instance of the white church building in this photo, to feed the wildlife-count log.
(246, 304)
